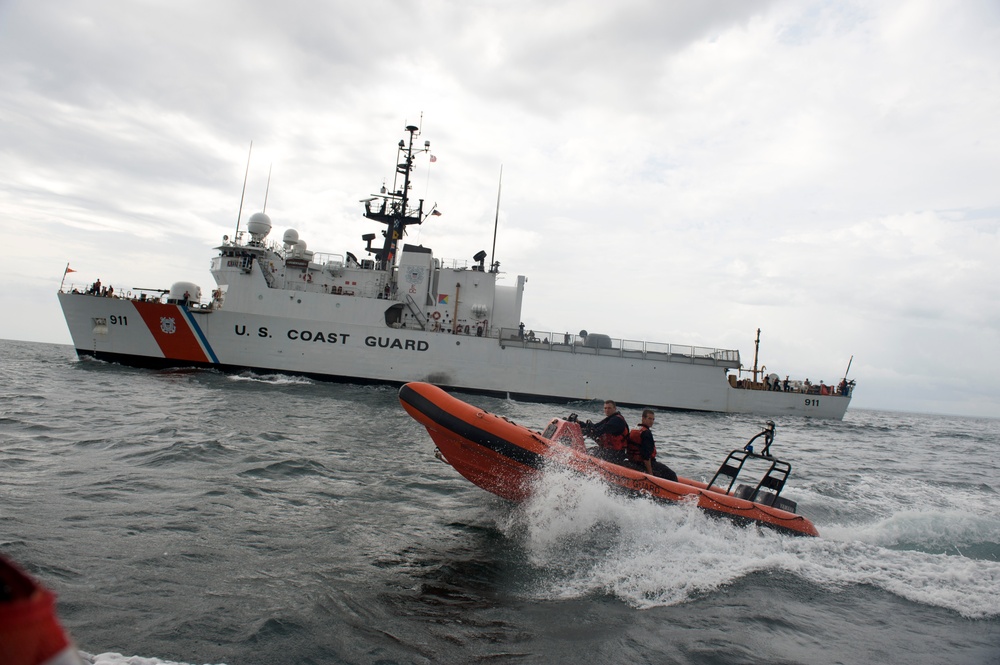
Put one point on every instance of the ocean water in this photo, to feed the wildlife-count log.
(194, 517)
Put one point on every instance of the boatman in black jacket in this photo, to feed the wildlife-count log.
(611, 434)
(642, 450)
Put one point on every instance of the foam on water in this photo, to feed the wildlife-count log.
(272, 379)
(588, 540)
(119, 659)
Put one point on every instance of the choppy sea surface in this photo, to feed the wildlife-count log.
(194, 517)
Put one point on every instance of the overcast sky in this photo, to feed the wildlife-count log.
(679, 172)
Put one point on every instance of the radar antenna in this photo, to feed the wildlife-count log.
(394, 209)
(243, 195)
(494, 266)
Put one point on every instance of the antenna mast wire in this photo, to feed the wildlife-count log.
(496, 223)
(243, 195)
(268, 188)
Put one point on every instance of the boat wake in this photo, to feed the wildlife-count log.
(586, 540)
(270, 379)
(119, 659)
(930, 530)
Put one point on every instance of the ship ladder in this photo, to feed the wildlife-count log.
(411, 304)
(268, 276)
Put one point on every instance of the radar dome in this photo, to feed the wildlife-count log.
(291, 237)
(259, 225)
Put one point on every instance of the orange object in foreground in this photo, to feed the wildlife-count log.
(505, 458)
(30, 633)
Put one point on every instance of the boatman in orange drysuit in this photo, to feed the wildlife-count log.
(642, 451)
(611, 434)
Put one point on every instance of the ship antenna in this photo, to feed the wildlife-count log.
(756, 349)
(395, 210)
(243, 195)
(268, 188)
(496, 222)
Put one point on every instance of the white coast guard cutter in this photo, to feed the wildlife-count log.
(399, 316)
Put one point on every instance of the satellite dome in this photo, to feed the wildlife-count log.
(291, 237)
(259, 225)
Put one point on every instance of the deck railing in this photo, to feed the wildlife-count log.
(603, 345)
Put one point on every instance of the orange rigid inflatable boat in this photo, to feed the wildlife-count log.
(505, 458)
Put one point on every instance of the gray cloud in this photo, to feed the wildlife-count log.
(824, 171)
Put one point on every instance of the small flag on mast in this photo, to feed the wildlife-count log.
(65, 272)
(433, 158)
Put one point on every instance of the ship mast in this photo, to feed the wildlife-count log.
(756, 350)
(394, 210)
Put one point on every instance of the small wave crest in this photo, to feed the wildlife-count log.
(929, 530)
(290, 468)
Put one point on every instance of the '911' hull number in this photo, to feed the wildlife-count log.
(117, 320)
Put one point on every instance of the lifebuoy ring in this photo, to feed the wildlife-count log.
(308, 278)
(436, 315)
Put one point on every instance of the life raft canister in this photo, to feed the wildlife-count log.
(30, 633)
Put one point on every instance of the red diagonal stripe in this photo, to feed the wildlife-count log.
(178, 345)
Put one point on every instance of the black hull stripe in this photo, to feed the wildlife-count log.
(160, 364)
(470, 432)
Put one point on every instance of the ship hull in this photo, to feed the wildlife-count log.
(316, 340)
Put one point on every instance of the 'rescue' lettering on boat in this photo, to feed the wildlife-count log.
(318, 336)
(396, 343)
